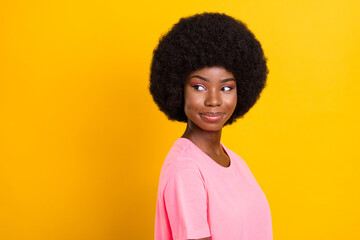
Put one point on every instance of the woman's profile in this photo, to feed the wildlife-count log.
(208, 71)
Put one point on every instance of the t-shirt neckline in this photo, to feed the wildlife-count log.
(208, 157)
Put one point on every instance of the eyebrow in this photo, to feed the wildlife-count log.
(207, 80)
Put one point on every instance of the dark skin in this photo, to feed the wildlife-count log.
(209, 144)
(210, 100)
(209, 90)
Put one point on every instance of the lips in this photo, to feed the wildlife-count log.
(211, 116)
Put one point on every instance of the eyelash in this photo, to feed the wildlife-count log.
(196, 87)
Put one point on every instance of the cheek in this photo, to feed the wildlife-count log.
(192, 104)
(232, 101)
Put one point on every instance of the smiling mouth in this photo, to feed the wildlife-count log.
(212, 117)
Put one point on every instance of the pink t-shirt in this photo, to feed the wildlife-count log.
(198, 198)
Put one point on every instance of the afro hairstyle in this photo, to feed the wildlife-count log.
(206, 40)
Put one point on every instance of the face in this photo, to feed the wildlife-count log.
(210, 97)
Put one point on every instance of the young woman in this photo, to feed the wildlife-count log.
(208, 71)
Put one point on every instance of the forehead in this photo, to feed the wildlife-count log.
(211, 74)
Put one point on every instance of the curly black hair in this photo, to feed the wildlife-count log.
(207, 40)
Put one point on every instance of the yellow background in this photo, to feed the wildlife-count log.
(82, 142)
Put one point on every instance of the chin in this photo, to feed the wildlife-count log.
(211, 127)
(212, 130)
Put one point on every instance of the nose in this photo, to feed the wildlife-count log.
(213, 98)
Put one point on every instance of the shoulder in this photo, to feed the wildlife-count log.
(181, 156)
(180, 162)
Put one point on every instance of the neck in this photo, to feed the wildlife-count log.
(207, 141)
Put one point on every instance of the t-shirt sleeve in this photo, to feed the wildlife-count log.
(185, 199)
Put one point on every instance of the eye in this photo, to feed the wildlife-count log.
(199, 87)
(226, 88)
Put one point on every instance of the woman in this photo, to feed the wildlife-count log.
(208, 71)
